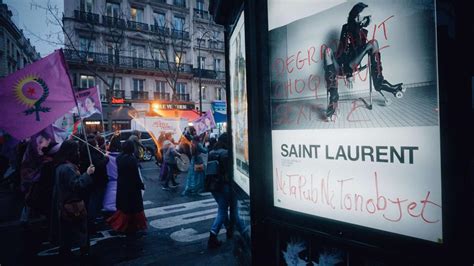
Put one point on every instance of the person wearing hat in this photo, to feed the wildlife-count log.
(353, 46)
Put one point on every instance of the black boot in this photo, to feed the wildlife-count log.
(380, 84)
(213, 242)
(331, 84)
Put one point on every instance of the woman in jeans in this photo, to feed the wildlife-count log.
(221, 195)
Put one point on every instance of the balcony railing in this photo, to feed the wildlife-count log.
(179, 3)
(202, 14)
(161, 96)
(119, 94)
(179, 34)
(158, 1)
(113, 22)
(86, 16)
(216, 45)
(205, 73)
(160, 30)
(139, 95)
(182, 97)
(133, 25)
(125, 62)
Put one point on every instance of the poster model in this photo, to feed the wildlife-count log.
(238, 94)
(355, 113)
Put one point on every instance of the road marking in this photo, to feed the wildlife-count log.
(207, 203)
(147, 202)
(190, 235)
(187, 218)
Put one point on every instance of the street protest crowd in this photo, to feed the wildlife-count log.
(77, 180)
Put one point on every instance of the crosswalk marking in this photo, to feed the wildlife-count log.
(147, 202)
(189, 235)
(187, 218)
(207, 203)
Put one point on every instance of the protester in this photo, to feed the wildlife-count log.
(139, 149)
(94, 195)
(195, 178)
(169, 165)
(68, 206)
(130, 216)
(222, 193)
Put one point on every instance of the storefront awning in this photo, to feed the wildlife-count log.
(189, 115)
(121, 113)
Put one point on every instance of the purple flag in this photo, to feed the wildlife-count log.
(204, 123)
(34, 97)
(89, 103)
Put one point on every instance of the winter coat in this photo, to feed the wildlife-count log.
(129, 185)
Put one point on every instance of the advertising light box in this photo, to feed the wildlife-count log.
(355, 116)
(238, 98)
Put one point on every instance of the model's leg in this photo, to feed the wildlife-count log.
(330, 73)
(380, 83)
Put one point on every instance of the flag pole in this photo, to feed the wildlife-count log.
(75, 100)
(85, 142)
(101, 112)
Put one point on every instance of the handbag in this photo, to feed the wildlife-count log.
(73, 210)
(198, 167)
(182, 162)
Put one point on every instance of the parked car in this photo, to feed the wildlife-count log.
(145, 139)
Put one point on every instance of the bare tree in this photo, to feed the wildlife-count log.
(112, 31)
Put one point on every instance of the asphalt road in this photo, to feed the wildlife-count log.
(177, 234)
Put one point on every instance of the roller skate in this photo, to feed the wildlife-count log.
(380, 83)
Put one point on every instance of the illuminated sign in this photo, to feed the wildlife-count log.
(172, 106)
(118, 100)
(348, 142)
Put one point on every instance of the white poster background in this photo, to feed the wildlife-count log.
(319, 186)
(156, 125)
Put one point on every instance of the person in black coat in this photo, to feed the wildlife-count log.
(130, 216)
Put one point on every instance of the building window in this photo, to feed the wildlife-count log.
(86, 45)
(204, 92)
(179, 58)
(178, 23)
(202, 62)
(160, 86)
(138, 51)
(217, 64)
(86, 5)
(159, 19)
(113, 10)
(87, 81)
(159, 54)
(136, 15)
(220, 94)
(181, 88)
(117, 84)
(200, 5)
(138, 84)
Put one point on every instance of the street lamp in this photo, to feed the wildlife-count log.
(199, 64)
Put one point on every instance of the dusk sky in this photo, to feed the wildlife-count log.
(34, 22)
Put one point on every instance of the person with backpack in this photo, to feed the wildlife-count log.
(218, 183)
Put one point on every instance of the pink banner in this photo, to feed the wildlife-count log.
(89, 103)
(204, 123)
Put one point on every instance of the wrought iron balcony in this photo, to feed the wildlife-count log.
(216, 45)
(164, 31)
(139, 95)
(138, 26)
(182, 97)
(180, 34)
(205, 73)
(113, 22)
(86, 16)
(118, 94)
(124, 62)
(202, 14)
(161, 96)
